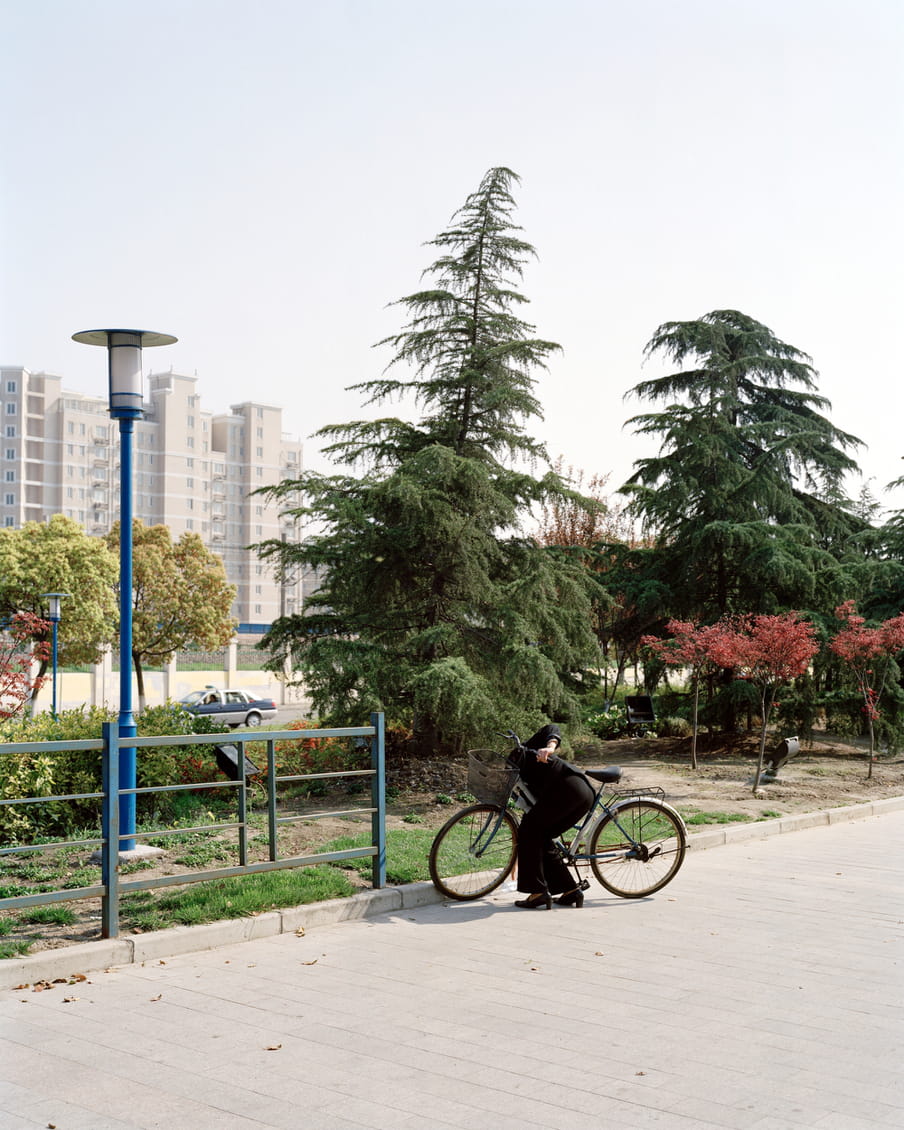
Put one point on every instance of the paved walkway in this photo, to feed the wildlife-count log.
(762, 990)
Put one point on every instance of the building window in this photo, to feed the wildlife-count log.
(257, 609)
(10, 431)
(8, 520)
(189, 461)
(191, 421)
(10, 453)
(11, 408)
(189, 441)
(189, 523)
(190, 483)
(10, 500)
(10, 476)
(260, 452)
(10, 386)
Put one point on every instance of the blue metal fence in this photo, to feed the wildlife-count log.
(111, 888)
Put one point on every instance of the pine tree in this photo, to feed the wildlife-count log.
(745, 495)
(434, 605)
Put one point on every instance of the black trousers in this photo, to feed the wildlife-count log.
(539, 868)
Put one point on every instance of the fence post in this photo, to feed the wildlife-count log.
(110, 831)
(378, 796)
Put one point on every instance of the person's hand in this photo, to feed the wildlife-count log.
(546, 752)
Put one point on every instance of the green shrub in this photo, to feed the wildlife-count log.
(673, 726)
(80, 771)
(608, 722)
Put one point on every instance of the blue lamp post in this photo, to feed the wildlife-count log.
(126, 405)
(53, 599)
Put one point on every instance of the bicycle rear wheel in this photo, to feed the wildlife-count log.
(633, 872)
(473, 852)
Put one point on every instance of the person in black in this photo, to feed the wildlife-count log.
(563, 796)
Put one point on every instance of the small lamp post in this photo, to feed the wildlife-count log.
(126, 405)
(53, 599)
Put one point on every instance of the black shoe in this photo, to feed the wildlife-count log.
(573, 898)
(539, 901)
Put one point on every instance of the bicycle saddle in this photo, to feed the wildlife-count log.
(607, 776)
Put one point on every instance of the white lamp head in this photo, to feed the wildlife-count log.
(124, 355)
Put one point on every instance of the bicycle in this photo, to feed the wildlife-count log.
(633, 841)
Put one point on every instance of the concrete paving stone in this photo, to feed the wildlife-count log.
(702, 978)
(18, 1122)
(67, 1116)
(374, 1115)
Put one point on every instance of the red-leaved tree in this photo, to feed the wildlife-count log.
(768, 651)
(22, 644)
(689, 648)
(861, 648)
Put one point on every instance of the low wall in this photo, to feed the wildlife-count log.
(100, 685)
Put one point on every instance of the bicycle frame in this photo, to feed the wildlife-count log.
(600, 810)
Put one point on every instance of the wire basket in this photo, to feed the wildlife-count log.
(490, 783)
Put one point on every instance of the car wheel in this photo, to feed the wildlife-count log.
(253, 719)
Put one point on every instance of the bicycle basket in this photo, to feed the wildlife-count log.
(490, 783)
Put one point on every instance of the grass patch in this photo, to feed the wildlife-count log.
(407, 852)
(50, 916)
(15, 949)
(716, 818)
(236, 897)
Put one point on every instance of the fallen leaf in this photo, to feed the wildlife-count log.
(273, 1047)
(161, 962)
(599, 953)
(76, 978)
(299, 933)
(25, 986)
(157, 998)
(314, 962)
(59, 980)
(71, 1000)
(640, 1072)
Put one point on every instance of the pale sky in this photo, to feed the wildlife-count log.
(258, 178)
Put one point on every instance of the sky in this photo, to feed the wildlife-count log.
(259, 180)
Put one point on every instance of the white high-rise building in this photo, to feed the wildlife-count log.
(192, 470)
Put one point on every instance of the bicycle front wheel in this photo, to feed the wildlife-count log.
(473, 852)
(635, 869)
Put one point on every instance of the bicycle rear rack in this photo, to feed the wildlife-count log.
(654, 791)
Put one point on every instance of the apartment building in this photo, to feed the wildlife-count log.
(192, 470)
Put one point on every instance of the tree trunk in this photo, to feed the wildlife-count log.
(694, 734)
(766, 704)
(139, 679)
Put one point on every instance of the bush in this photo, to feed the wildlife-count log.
(80, 772)
(316, 755)
(608, 722)
(673, 726)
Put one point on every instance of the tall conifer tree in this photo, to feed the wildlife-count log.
(744, 497)
(434, 606)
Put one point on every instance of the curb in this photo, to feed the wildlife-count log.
(89, 957)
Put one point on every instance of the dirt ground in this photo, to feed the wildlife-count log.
(827, 773)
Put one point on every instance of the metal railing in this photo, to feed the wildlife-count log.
(111, 888)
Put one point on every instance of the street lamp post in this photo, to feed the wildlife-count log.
(53, 599)
(126, 405)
